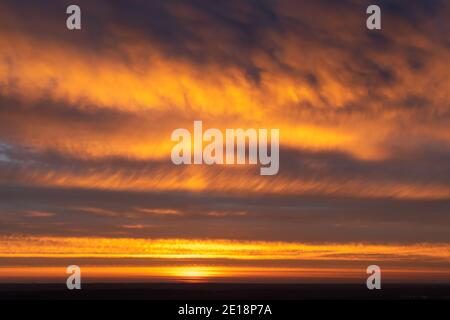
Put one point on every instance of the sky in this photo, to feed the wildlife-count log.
(86, 118)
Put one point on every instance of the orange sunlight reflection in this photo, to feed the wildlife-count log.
(197, 274)
(184, 260)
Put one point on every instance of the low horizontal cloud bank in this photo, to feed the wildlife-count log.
(212, 249)
(210, 260)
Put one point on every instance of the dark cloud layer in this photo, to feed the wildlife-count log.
(176, 214)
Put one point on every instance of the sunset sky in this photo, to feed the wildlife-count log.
(86, 118)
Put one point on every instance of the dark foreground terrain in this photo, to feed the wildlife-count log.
(214, 291)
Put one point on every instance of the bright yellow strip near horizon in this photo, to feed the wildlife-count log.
(15, 246)
(205, 273)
